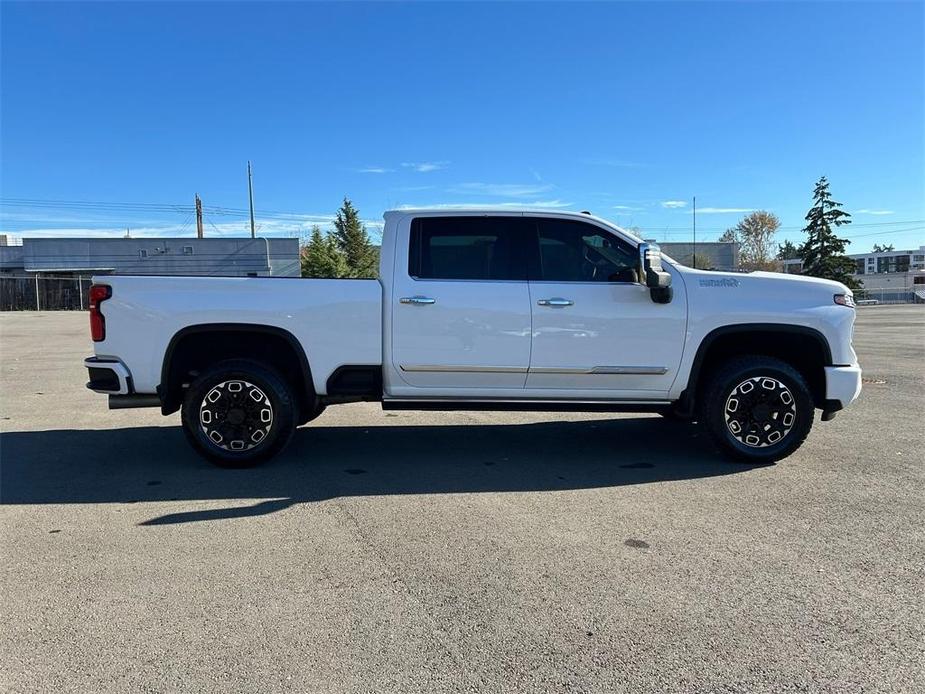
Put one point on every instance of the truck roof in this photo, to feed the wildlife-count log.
(488, 209)
(449, 210)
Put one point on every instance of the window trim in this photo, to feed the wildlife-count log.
(529, 249)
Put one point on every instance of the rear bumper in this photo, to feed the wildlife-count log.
(842, 384)
(108, 376)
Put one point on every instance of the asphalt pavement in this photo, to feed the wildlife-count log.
(445, 552)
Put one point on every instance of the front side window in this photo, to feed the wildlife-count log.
(467, 248)
(573, 251)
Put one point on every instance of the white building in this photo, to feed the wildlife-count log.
(888, 276)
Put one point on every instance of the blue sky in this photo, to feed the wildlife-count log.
(628, 110)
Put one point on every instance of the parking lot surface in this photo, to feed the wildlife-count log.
(431, 552)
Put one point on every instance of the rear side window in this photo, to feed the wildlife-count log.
(572, 251)
(468, 248)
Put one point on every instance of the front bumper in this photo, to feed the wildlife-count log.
(842, 385)
(108, 376)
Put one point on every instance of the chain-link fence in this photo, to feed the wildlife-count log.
(44, 292)
(909, 293)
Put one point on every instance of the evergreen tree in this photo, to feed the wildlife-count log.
(823, 253)
(886, 248)
(353, 242)
(701, 261)
(788, 251)
(321, 257)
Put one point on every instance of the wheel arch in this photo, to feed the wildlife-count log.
(804, 348)
(195, 346)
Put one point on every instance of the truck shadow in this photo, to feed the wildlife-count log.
(147, 464)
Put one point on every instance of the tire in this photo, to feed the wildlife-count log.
(758, 409)
(239, 413)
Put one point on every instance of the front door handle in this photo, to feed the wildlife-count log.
(556, 302)
(417, 300)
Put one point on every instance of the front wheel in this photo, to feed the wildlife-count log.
(758, 409)
(238, 413)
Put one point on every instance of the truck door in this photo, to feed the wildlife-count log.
(595, 327)
(461, 306)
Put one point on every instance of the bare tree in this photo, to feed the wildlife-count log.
(755, 236)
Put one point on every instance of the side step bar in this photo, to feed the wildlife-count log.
(524, 406)
(124, 402)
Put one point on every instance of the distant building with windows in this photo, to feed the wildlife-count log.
(152, 256)
(54, 274)
(888, 276)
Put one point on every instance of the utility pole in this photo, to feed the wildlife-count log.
(250, 194)
(198, 217)
(694, 254)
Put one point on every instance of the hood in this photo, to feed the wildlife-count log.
(803, 280)
(795, 290)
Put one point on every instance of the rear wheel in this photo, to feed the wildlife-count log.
(238, 413)
(758, 409)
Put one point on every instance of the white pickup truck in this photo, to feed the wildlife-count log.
(500, 310)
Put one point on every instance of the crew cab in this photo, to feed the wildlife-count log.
(482, 309)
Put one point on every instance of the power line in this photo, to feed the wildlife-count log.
(798, 228)
(219, 231)
(95, 205)
(183, 208)
(186, 210)
(187, 221)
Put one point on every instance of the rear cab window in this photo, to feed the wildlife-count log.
(469, 248)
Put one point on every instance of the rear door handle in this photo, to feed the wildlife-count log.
(417, 300)
(556, 302)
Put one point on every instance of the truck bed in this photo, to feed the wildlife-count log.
(337, 321)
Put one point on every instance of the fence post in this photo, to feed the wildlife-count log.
(80, 291)
(38, 306)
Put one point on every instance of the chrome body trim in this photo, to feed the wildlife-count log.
(591, 371)
(532, 401)
(461, 368)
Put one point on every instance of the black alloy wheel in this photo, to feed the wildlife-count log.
(238, 413)
(757, 409)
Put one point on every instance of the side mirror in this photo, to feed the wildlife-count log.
(656, 279)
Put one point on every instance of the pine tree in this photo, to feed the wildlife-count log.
(702, 261)
(353, 242)
(321, 257)
(823, 253)
(788, 250)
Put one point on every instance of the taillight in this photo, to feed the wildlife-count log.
(98, 294)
